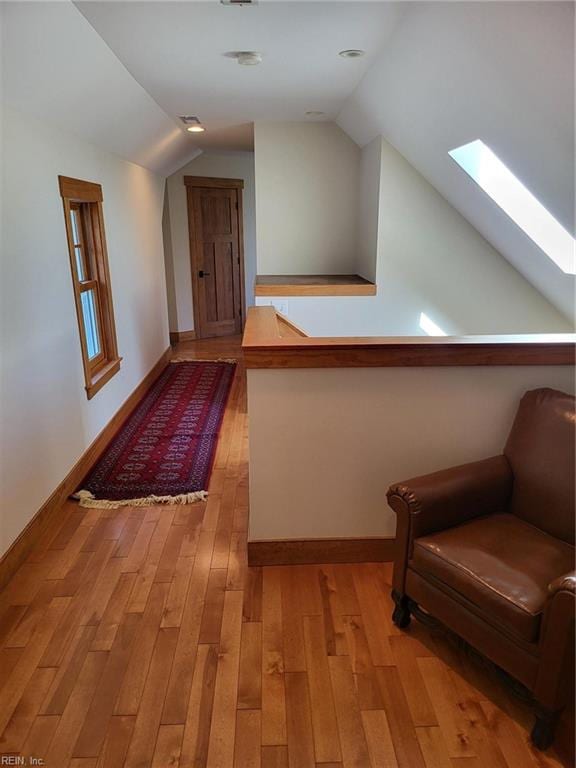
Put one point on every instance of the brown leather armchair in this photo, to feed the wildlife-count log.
(488, 549)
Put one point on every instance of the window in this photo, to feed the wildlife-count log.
(91, 278)
(490, 173)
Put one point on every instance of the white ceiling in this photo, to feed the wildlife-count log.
(175, 51)
(436, 75)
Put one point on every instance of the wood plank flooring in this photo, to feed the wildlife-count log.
(139, 637)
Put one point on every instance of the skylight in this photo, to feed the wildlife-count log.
(498, 181)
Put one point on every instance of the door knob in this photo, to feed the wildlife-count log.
(201, 273)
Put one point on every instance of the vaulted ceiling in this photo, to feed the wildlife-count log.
(435, 75)
(502, 72)
(176, 51)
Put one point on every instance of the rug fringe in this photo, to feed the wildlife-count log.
(189, 360)
(86, 499)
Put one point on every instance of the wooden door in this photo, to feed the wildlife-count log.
(215, 224)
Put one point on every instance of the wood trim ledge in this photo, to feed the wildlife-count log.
(315, 289)
(211, 181)
(310, 551)
(76, 189)
(102, 377)
(264, 346)
(287, 328)
(178, 336)
(47, 516)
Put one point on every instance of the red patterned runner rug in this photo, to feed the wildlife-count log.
(164, 452)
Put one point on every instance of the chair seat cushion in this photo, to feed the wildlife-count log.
(501, 565)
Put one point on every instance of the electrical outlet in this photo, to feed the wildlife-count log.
(280, 306)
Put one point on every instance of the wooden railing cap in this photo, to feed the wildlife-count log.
(267, 345)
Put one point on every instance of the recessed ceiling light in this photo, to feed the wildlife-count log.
(192, 124)
(246, 58)
(352, 53)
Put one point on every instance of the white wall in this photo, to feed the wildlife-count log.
(431, 260)
(232, 165)
(169, 262)
(47, 421)
(368, 209)
(58, 69)
(320, 464)
(306, 198)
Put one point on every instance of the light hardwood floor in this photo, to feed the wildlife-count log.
(139, 637)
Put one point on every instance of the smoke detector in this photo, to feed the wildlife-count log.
(246, 58)
(351, 53)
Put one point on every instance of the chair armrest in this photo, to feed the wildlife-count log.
(552, 687)
(444, 499)
(565, 583)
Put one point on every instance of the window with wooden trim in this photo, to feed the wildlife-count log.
(91, 279)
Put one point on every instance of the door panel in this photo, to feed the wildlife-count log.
(216, 215)
(209, 282)
(224, 281)
(215, 257)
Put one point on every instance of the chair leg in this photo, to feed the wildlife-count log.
(543, 731)
(401, 614)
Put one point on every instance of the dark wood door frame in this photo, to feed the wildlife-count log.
(209, 182)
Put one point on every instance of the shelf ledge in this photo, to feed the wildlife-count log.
(313, 285)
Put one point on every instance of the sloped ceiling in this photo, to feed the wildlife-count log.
(436, 75)
(500, 72)
(120, 73)
(176, 51)
(55, 68)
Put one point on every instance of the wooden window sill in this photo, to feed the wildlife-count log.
(313, 285)
(102, 377)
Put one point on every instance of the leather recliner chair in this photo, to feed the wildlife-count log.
(488, 549)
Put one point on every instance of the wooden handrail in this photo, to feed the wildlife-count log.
(264, 346)
(288, 328)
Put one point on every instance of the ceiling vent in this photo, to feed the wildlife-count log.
(246, 58)
(239, 2)
(189, 119)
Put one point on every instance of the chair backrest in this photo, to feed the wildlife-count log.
(541, 452)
